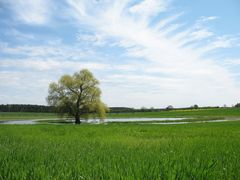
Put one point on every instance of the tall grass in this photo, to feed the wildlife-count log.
(120, 151)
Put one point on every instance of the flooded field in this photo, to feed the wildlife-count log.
(166, 121)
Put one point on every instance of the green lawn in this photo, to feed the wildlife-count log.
(120, 151)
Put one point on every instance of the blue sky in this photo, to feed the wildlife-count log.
(150, 53)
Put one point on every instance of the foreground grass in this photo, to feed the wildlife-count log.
(120, 151)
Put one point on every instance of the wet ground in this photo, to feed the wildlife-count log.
(165, 121)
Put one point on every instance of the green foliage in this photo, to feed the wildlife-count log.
(26, 115)
(237, 105)
(25, 108)
(120, 151)
(77, 95)
(170, 107)
(195, 106)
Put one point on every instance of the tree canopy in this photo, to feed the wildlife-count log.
(77, 95)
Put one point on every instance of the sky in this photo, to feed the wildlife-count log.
(150, 53)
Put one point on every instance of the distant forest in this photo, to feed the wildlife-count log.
(25, 108)
(50, 109)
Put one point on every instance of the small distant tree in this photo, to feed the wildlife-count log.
(143, 109)
(77, 95)
(195, 106)
(237, 105)
(169, 107)
(152, 109)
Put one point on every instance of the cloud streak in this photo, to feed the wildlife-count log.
(35, 12)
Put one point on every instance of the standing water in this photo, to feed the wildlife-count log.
(92, 121)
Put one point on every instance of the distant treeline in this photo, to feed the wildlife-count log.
(25, 108)
(143, 109)
(50, 109)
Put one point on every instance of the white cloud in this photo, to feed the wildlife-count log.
(220, 42)
(200, 34)
(20, 35)
(24, 87)
(160, 61)
(164, 52)
(35, 12)
(80, 7)
(92, 39)
(51, 65)
(209, 18)
(148, 8)
(53, 56)
(53, 49)
(165, 22)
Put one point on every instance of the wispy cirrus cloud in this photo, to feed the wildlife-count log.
(148, 8)
(35, 12)
(19, 35)
(168, 46)
(50, 65)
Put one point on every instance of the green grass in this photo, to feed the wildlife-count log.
(120, 151)
(217, 112)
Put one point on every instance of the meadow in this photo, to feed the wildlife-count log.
(120, 151)
(123, 150)
(194, 113)
(209, 112)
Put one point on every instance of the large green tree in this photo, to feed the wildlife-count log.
(77, 95)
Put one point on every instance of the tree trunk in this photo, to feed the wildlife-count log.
(77, 115)
(77, 119)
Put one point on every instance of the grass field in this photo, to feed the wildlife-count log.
(217, 112)
(120, 151)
